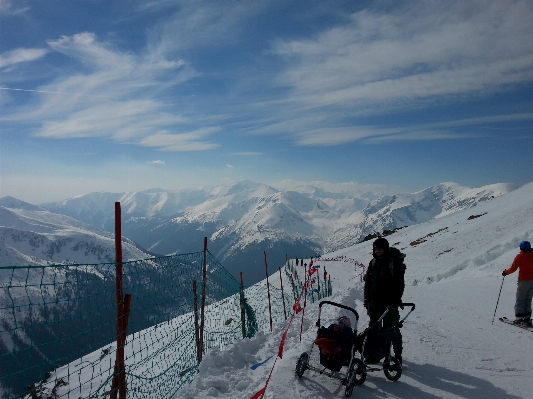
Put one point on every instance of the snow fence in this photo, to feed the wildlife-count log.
(59, 327)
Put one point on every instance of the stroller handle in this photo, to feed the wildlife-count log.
(339, 305)
(388, 309)
(411, 305)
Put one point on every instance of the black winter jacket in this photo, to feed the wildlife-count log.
(384, 282)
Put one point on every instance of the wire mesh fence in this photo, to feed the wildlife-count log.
(58, 324)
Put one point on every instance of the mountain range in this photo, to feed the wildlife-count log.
(31, 235)
(241, 221)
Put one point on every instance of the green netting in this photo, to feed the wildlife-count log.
(58, 324)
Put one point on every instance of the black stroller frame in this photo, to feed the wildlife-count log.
(391, 366)
(358, 367)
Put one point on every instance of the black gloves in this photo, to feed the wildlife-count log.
(503, 274)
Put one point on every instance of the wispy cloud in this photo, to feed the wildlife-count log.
(248, 153)
(191, 141)
(417, 132)
(21, 55)
(156, 162)
(8, 8)
(409, 57)
(116, 96)
(433, 49)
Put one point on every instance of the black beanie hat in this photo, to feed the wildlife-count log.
(381, 243)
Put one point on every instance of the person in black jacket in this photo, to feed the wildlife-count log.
(384, 286)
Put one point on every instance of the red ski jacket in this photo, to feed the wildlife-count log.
(524, 262)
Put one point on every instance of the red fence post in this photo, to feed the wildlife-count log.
(118, 385)
(202, 318)
(268, 289)
(125, 320)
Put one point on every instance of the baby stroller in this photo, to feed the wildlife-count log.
(336, 345)
(338, 348)
(374, 344)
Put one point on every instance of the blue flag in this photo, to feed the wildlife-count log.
(260, 364)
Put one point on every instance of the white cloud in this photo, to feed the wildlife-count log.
(431, 49)
(247, 153)
(8, 8)
(229, 166)
(422, 132)
(156, 162)
(410, 55)
(200, 25)
(116, 96)
(191, 141)
(19, 55)
(336, 136)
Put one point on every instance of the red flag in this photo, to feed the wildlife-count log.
(259, 394)
(282, 344)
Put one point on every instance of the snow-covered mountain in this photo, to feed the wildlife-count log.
(244, 219)
(390, 212)
(451, 347)
(31, 235)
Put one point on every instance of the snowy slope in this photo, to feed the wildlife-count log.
(452, 350)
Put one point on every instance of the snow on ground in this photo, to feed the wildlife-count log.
(451, 347)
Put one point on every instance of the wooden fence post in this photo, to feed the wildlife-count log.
(118, 384)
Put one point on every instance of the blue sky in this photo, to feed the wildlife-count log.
(131, 95)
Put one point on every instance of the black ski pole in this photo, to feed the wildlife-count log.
(498, 300)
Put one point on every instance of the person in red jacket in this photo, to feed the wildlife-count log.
(524, 292)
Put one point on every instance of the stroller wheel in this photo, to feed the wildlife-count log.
(393, 370)
(356, 376)
(302, 364)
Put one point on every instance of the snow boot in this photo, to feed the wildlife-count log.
(527, 322)
(519, 321)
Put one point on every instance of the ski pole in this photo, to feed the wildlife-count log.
(498, 300)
